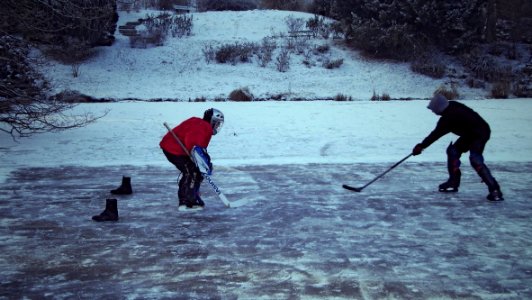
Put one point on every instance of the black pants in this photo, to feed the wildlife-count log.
(191, 178)
(476, 148)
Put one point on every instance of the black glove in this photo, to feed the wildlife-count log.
(417, 149)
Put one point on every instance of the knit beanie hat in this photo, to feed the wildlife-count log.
(438, 104)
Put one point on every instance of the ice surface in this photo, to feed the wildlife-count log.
(300, 236)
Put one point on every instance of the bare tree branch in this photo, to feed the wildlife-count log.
(25, 106)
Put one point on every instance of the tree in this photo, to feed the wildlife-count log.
(402, 29)
(91, 22)
(25, 107)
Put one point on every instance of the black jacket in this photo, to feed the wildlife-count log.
(460, 120)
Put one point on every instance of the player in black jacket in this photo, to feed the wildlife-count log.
(473, 134)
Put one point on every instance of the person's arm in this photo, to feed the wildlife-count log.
(441, 129)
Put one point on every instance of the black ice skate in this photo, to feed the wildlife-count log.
(110, 213)
(451, 185)
(495, 195)
(446, 187)
(124, 188)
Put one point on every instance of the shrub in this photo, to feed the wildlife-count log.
(157, 28)
(384, 97)
(342, 97)
(323, 48)
(265, 52)
(241, 94)
(200, 99)
(333, 64)
(318, 27)
(217, 5)
(294, 5)
(475, 83)
(234, 53)
(429, 66)
(449, 93)
(376, 41)
(294, 24)
(486, 67)
(181, 25)
(209, 52)
(500, 89)
(283, 61)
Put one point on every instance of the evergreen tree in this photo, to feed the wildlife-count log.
(402, 29)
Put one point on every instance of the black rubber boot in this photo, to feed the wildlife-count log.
(125, 188)
(110, 213)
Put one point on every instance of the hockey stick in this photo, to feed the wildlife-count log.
(214, 187)
(355, 189)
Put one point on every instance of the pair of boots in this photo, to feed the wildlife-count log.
(111, 206)
(451, 185)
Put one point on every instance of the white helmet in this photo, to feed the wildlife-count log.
(215, 118)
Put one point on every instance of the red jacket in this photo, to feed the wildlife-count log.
(192, 132)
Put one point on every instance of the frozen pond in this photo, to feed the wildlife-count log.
(296, 235)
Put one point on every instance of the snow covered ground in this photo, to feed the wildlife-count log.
(297, 234)
(178, 70)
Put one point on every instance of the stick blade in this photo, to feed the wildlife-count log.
(351, 188)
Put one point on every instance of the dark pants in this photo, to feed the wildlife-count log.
(475, 146)
(189, 184)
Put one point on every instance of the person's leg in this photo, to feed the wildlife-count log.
(477, 162)
(187, 183)
(454, 152)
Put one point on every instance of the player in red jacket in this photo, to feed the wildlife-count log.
(191, 132)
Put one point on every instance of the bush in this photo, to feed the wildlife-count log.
(429, 66)
(234, 53)
(241, 94)
(265, 53)
(209, 52)
(384, 97)
(318, 27)
(233, 5)
(157, 28)
(323, 48)
(181, 25)
(333, 64)
(449, 93)
(522, 90)
(342, 97)
(500, 90)
(283, 61)
(485, 67)
(294, 24)
(294, 5)
(394, 42)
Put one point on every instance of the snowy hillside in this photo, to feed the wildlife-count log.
(178, 70)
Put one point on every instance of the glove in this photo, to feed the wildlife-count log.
(417, 149)
(202, 160)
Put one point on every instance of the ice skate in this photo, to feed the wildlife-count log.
(495, 195)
